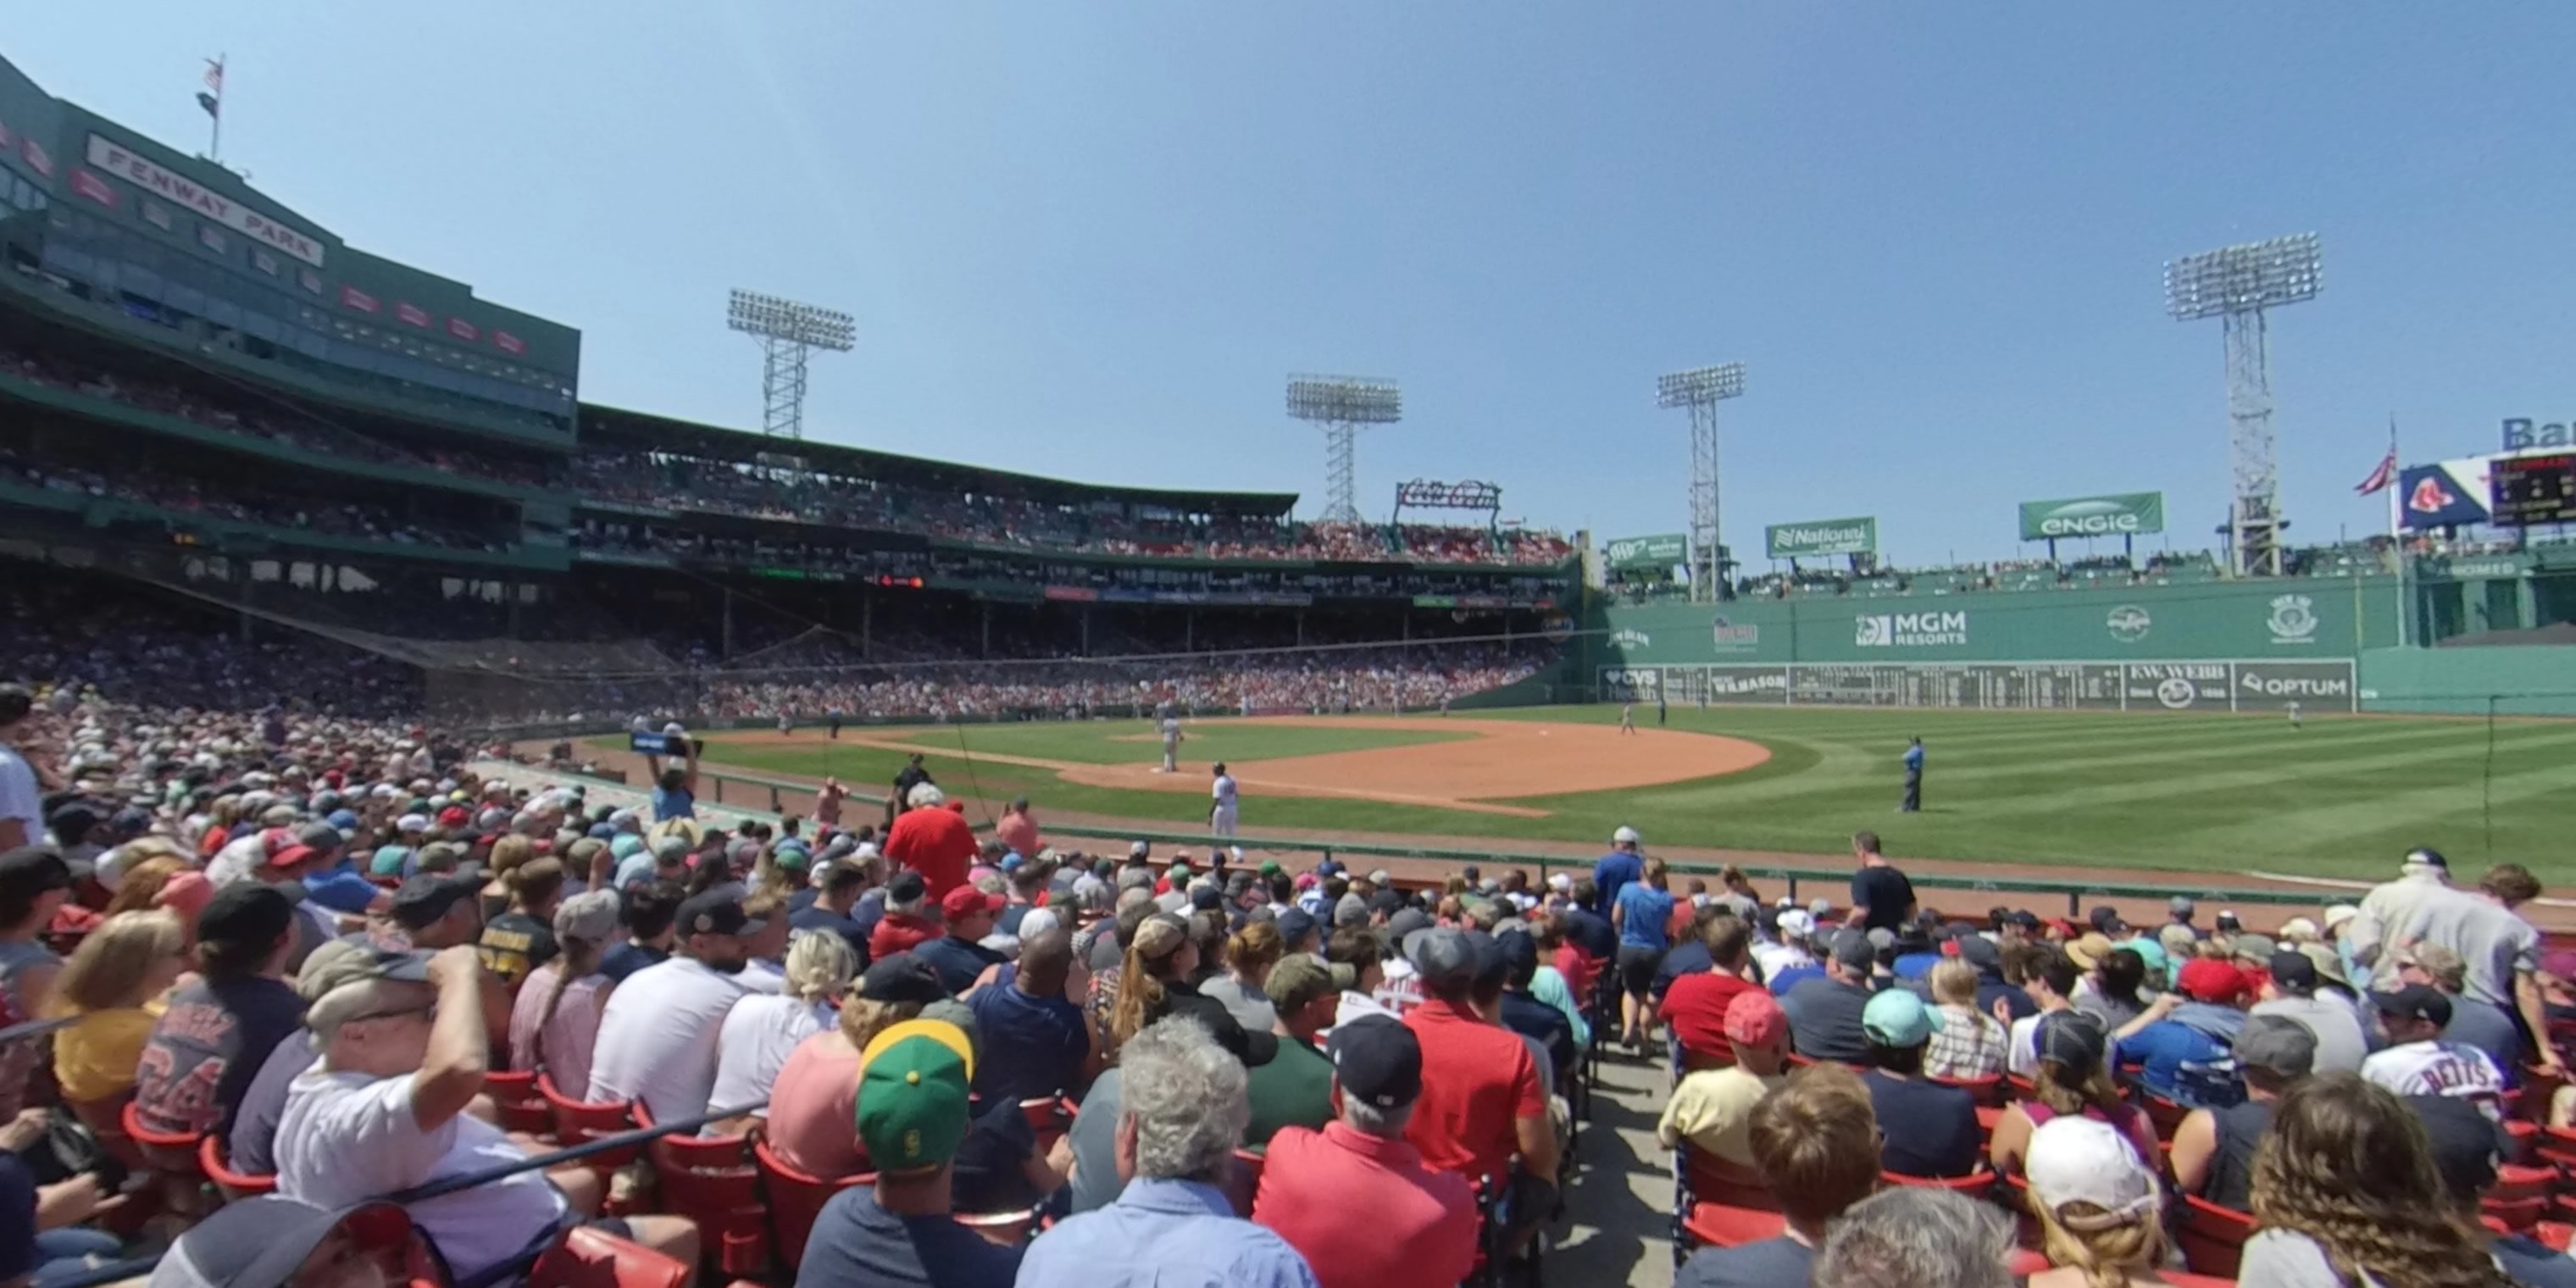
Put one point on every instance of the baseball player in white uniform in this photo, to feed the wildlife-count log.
(1221, 803)
(1171, 742)
(1628, 718)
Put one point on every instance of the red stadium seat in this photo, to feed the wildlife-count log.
(1048, 1119)
(1975, 1185)
(1009, 1229)
(170, 1153)
(796, 1198)
(2212, 1238)
(1989, 1091)
(229, 1183)
(589, 1258)
(711, 1180)
(1246, 1181)
(2167, 1115)
(522, 1109)
(1712, 1180)
(1723, 1225)
(578, 1121)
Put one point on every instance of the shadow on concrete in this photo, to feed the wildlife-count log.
(1618, 1227)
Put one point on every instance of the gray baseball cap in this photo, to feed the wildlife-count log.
(1852, 948)
(2278, 1043)
(1447, 960)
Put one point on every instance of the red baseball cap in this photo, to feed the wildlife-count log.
(2207, 979)
(282, 847)
(966, 899)
(1755, 1020)
(454, 816)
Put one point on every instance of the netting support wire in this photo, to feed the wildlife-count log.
(2486, 780)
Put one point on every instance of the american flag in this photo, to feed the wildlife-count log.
(213, 98)
(2386, 474)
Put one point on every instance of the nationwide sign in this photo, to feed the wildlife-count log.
(107, 155)
(2122, 514)
(1660, 551)
(1821, 537)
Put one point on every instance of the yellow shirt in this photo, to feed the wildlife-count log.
(1714, 1109)
(94, 1059)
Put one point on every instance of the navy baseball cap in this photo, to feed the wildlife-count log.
(1377, 1059)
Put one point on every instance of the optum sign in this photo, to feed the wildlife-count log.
(2124, 514)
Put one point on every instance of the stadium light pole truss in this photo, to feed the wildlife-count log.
(2238, 284)
(787, 331)
(1701, 389)
(1341, 404)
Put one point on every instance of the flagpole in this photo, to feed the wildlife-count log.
(215, 146)
(2396, 537)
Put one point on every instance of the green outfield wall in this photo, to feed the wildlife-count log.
(2530, 680)
(2207, 645)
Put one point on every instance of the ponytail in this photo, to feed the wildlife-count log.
(580, 960)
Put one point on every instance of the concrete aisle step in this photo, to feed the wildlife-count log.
(1619, 1208)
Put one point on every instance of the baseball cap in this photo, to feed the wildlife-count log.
(2424, 858)
(906, 886)
(323, 974)
(2293, 972)
(1295, 924)
(412, 823)
(245, 912)
(2082, 1160)
(1625, 836)
(2278, 1043)
(31, 870)
(1851, 947)
(1298, 979)
(1898, 1018)
(2254, 947)
(590, 916)
(1796, 924)
(1446, 959)
(901, 977)
(1755, 1019)
(966, 901)
(2329, 966)
(1377, 1059)
(913, 1081)
(2106, 919)
(1204, 897)
(1406, 921)
(2073, 1040)
(1980, 952)
(716, 912)
(2024, 918)
(426, 898)
(2414, 1002)
(263, 1242)
(2339, 913)
(2207, 979)
(2467, 1145)
(1490, 962)
(2180, 905)
(282, 848)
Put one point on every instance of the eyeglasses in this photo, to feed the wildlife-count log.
(430, 1009)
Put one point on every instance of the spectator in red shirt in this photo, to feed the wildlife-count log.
(903, 927)
(1562, 953)
(932, 838)
(1421, 1223)
(1482, 1101)
(1695, 1007)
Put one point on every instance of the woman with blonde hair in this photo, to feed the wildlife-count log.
(813, 1102)
(2072, 1080)
(554, 1022)
(1970, 1043)
(112, 987)
(2099, 1205)
(142, 880)
(508, 855)
(2346, 1191)
(1156, 983)
(1249, 955)
(763, 1029)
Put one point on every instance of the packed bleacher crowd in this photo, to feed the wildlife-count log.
(327, 962)
(177, 496)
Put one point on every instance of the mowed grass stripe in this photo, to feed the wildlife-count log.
(2393, 806)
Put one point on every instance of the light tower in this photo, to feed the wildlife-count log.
(2236, 284)
(1702, 389)
(786, 330)
(1341, 404)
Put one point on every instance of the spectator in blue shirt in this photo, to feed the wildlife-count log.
(1587, 929)
(1181, 1114)
(1643, 915)
(1035, 1042)
(2187, 1031)
(335, 882)
(1617, 868)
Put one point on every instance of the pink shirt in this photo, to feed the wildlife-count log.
(814, 1107)
(571, 1035)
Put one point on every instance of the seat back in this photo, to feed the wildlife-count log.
(229, 1183)
(1008, 1229)
(1976, 1185)
(1988, 1090)
(174, 1153)
(1708, 1179)
(1048, 1118)
(2212, 1237)
(591, 1258)
(795, 1199)
(1245, 1182)
(522, 1109)
(711, 1180)
(580, 1121)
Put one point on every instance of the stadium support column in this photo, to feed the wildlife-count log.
(1701, 390)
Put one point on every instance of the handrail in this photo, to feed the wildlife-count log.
(141, 1266)
(26, 1029)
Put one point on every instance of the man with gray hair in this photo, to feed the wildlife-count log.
(1423, 1223)
(1181, 1114)
(1915, 1237)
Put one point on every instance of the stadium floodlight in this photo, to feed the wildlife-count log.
(787, 330)
(2237, 284)
(1341, 404)
(1701, 389)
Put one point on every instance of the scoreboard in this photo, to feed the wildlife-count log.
(2533, 489)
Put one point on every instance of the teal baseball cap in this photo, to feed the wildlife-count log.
(1898, 1018)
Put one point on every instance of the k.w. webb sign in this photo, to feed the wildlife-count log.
(1821, 537)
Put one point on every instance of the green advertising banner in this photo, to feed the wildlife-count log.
(2124, 514)
(1661, 551)
(1821, 537)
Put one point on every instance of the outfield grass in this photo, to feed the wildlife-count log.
(2342, 797)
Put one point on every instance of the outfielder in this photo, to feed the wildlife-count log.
(1221, 803)
(2294, 714)
(1628, 718)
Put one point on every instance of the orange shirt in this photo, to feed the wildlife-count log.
(1478, 1081)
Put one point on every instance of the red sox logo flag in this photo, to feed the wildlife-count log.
(2430, 497)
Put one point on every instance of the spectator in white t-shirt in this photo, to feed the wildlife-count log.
(763, 1028)
(2051, 985)
(658, 1039)
(403, 1044)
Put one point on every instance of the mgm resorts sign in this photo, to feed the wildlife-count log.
(1909, 630)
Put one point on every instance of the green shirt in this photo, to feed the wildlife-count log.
(1293, 1090)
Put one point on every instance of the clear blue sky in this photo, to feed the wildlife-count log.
(1090, 239)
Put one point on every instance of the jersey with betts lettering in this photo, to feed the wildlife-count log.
(2437, 1069)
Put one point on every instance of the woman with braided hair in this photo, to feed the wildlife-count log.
(2346, 1193)
(554, 1022)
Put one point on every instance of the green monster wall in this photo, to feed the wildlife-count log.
(2196, 645)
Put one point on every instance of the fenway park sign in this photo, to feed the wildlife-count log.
(113, 158)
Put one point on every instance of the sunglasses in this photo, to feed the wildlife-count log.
(429, 1009)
